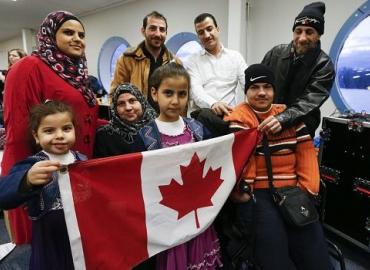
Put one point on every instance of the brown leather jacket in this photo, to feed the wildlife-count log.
(133, 67)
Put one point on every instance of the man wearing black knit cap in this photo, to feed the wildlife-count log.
(304, 73)
(277, 245)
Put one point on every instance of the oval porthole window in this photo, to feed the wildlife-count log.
(351, 55)
(109, 53)
(183, 45)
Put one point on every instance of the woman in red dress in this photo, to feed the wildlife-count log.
(57, 70)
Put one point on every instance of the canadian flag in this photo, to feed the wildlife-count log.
(123, 209)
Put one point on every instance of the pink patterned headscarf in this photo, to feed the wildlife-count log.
(73, 71)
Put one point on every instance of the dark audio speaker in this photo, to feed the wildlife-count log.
(345, 168)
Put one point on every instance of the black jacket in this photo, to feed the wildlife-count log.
(303, 84)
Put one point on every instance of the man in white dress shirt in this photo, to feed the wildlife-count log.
(217, 73)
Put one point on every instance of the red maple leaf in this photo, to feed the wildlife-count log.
(195, 192)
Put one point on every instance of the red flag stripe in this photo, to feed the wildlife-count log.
(244, 145)
(97, 185)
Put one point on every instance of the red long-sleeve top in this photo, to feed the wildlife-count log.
(29, 82)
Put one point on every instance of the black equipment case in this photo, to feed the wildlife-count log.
(345, 169)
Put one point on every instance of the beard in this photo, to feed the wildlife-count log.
(300, 49)
(155, 43)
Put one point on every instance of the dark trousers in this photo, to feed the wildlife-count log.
(279, 246)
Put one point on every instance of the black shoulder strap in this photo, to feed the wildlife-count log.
(267, 154)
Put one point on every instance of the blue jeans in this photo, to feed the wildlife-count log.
(279, 246)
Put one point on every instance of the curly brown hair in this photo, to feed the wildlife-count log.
(40, 111)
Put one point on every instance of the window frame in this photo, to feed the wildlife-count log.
(105, 59)
(352, 22)
(178, 40)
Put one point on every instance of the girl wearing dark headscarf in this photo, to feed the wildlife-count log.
(57, 70)
(130, 111)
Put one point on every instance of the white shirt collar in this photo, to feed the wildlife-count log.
(171, 128)
(64, 159)
(204, 51)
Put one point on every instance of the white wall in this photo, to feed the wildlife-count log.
(126, 21)
(270, 23)
(237, 26)
(5, 46)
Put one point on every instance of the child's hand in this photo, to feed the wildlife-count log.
(241, 192)
(41, 171)
(239, 197)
